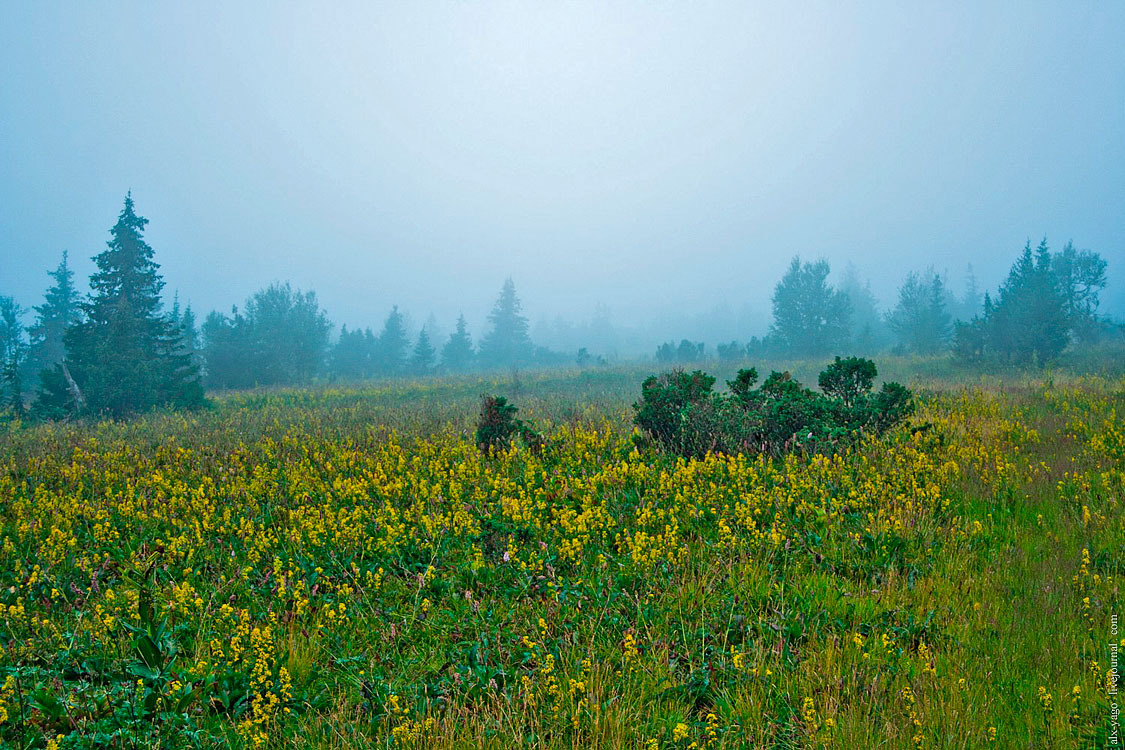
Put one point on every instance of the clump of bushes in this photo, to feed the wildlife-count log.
(498, 426)
(680, 411)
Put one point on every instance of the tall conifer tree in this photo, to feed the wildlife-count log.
(508, 343)
(424, 357)
(126, 356)
(457, 354)
(392, 345)
(921, 319)
(13, 349)
(59, 311)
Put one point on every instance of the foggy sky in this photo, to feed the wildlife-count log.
(661, 158)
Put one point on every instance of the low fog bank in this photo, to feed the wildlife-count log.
(117, 345)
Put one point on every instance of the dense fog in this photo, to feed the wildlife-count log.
(643, 174)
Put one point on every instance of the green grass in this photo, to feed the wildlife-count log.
(913, 592)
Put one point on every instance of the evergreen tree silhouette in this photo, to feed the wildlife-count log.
(457, 354)
(392, 345)
(424, 357)
(59, 311)
(508, 343)
(126, 355)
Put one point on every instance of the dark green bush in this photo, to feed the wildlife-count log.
(498, 426)
(848, 379)
(893, 404)
(682, 414)
(666, 400)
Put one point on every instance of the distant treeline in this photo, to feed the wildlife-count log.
(1048, 301)
(282, 337)
(118, 350)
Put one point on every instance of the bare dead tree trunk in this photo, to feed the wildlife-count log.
(75, 391)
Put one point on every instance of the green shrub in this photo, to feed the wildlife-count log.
(681, 413)
(498, 426)
(667, 400)
(848, 379)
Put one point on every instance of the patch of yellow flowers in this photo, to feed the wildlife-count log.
(279, 542)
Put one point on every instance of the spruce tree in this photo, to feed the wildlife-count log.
(424, 358)
(1028, 324)
(59, 311)
(1029, 321)
(457, 354)
(189, 335)
(184, 321)
(13, 349)
(939, 321)
(352, 355)
(392, 345)
(969, 306)
(126, 355)
(1050, 324)
(508, 343)
(921, 319)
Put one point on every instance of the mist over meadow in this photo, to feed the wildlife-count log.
(644, 175)
(648, 375)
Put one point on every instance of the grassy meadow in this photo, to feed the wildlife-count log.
(341, 567)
